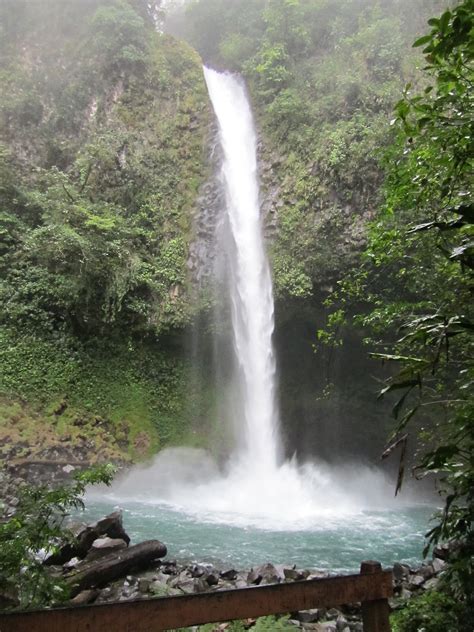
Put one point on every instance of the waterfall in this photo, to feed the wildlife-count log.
(257, 488)
(249, 280)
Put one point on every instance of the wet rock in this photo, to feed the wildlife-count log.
(400, 571)
(426, 571)
(310, 616)
(326, 626)
(71, 564)
(212, 579)
(415, 581)
(200, 585)
(438, 564)
(441, 551)
(187, 586)
(431, 584)
(169, 567)
(253, 577)
(294, 622)
(405, 594)
(270, 574)
(144, 585)
(105, 546)
(292, 574)
(229, 575)
(333, 613)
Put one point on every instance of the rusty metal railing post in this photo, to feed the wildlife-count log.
(375, 614)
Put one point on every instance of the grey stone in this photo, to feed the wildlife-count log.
(270, 574)
(405, 594)
(400, 571)
(415, 581)
(426, 570)
(431, 584)
(71, 564)
(326, 626)
(200, 585)
(341, 623)
(292, 574)
(294, 622)
(438, 565)
(144, 585)
(230, 575)
(309, 616)
(253, 577)
(333, 613)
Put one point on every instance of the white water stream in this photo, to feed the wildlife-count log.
(257, 489)
(250, 283)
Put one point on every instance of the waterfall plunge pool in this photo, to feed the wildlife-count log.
(313, 515)
(334, 545)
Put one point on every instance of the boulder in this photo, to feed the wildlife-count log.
(269, 574)
(110, 526)
(415, 581)
(212, 579)
(438, 565)
(104, 546)
(310, 616)
(400, 571)
(229, 575)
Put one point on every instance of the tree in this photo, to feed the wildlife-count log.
(416, 281)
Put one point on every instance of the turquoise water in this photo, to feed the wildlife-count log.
(337, 545)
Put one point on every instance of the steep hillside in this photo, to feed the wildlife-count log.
(102, 133)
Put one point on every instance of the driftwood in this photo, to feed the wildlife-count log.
(113, 566)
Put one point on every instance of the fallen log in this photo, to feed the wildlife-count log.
(100, 572)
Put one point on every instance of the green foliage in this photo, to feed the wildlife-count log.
(263, 624)
(432, 612)
(95, 219)
(273, 624)
(36, 528)
(138, 387)
(324, 77)
(416, 283)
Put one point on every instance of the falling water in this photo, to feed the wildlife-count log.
(258, 488)
(250, 284)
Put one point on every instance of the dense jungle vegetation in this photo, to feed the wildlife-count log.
(104, 129)
(102, 141)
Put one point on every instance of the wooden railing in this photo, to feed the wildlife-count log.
(372, 588)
